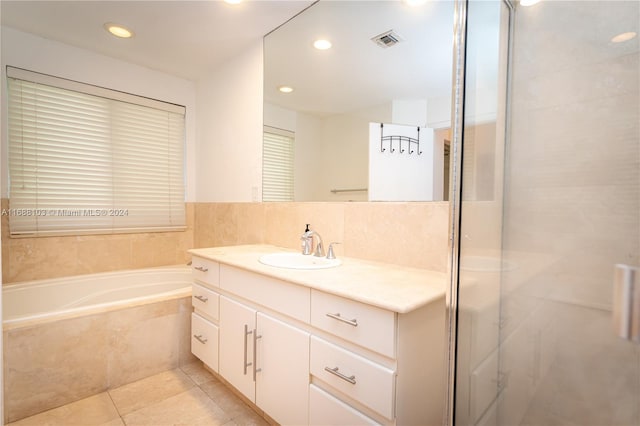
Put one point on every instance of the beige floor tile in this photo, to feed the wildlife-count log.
(145, 392)
(93, 411)
(114, 422)
(237, 409)
(192, 407)
(250, 418)
(197, 373)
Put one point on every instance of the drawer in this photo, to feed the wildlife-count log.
(286, 298)
(205, 270)
(204, 341)
(361, 379)
(325, 409)
(365, 325)
(205, 301)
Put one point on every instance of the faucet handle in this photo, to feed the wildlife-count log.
(330, 253)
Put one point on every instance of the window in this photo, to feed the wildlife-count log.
(277, 165)
(84, 160)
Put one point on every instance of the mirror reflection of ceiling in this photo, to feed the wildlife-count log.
(355, 72)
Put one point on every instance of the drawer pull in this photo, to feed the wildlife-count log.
(200, 339)
(202, 298)
(201, 268)
(353, 322)
(335, 371)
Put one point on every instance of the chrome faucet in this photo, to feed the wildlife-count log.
(307, 243)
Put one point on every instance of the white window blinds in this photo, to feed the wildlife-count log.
(84, 159)
(277, 165)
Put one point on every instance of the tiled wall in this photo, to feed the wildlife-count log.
(25, 259)
(410, 234)
(574, 194)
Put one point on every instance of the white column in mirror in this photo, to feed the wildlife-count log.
(400, 176)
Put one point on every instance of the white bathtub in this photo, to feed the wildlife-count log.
(66, 339)
(30, 302)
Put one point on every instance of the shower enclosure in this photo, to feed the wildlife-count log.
(546, 201)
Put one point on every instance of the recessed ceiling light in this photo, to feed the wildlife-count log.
(528, 2)
(118, 30)
(624, 37)
(232, 1)
(285, 89)
(322, 44)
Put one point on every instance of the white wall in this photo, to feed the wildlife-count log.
(34, 53)
(308, 166)
(229, 137)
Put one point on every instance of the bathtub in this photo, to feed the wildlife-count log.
(69, 338)
(52, 299)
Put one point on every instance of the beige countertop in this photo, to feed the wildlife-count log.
(388, 286)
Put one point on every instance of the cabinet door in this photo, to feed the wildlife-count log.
(237, 325)
(282, 384)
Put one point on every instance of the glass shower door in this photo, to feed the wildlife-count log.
(550, 203)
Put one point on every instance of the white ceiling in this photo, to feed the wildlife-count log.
(182, 38)
(190, 38)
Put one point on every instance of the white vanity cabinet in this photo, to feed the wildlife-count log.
(283, 377)
(205, 301)
(306, 356)
(237, 339)
(266, 359)
(263, 357)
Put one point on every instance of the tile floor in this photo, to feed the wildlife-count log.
(189, 395)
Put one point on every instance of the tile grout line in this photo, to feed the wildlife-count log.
(115, 406)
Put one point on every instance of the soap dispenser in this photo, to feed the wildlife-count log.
(307, 241)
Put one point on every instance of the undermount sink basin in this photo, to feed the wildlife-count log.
(486, 264)
(298, 261)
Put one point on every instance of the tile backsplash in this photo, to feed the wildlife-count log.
(25, 259)
(410, 234)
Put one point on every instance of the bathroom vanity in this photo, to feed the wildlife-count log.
(360, 343)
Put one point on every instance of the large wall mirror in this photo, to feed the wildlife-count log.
(390, 63)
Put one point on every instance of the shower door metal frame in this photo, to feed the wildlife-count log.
(455, 196)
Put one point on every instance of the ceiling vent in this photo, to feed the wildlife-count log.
(387, 39)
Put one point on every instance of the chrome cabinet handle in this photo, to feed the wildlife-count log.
(200, 339)
(353, 322)
(255, 353)
(247, 332)
(202, 298)
(336, 372)
(201, 268)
